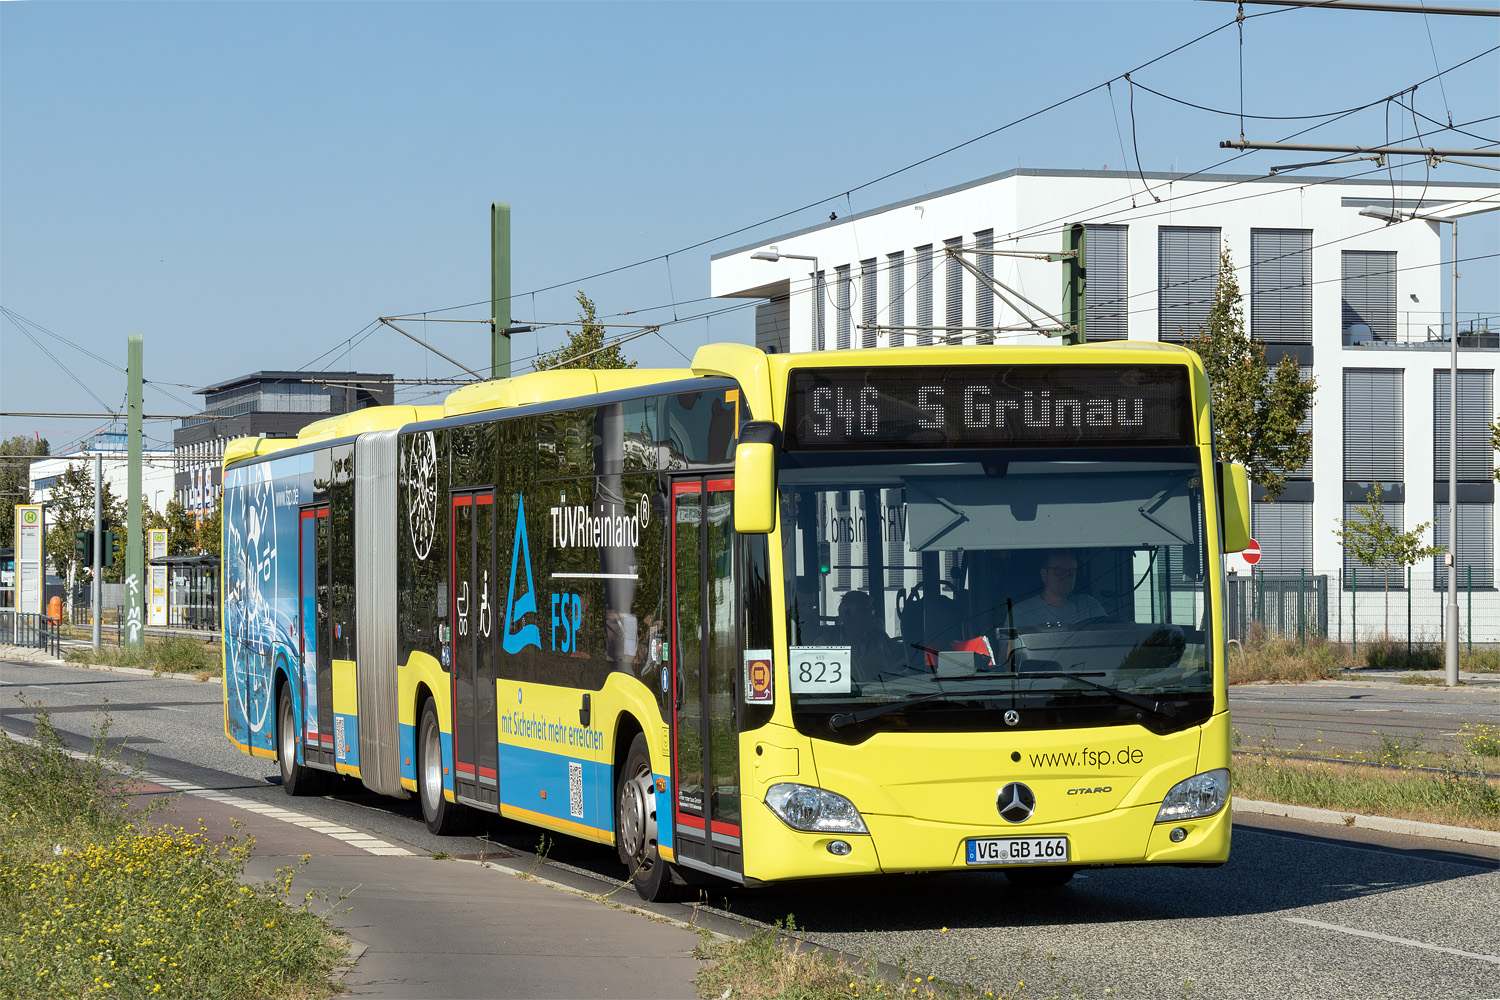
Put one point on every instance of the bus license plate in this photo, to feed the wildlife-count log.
(1018, 850)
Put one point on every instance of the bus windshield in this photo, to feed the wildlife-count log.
(977, 590)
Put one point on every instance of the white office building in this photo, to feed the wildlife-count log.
(1357, 302)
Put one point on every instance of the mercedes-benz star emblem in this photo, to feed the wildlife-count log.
(1012, 717)
(1016, 802)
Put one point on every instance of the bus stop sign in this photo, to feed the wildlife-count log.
(1251, 554)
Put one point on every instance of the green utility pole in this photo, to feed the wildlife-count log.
(135, 554)
(500, 289)
(1074, 282)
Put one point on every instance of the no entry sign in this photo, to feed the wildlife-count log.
(1251, 554)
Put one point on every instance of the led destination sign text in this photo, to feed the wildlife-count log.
(988, 406)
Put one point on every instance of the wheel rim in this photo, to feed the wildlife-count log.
(288, 738)
(638, 818)
(432, 773)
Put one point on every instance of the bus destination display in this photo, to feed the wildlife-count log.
(987, 406)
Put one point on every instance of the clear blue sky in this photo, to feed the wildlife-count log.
(249, 185)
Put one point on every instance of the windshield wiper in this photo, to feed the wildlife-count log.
(845, 719)
(1164, 709)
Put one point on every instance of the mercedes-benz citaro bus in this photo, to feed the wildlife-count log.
(773, 616)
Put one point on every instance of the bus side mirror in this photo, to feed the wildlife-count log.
(755, 478)
(1234, 493)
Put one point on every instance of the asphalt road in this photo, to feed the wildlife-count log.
(1350, 716)
(1300, 911)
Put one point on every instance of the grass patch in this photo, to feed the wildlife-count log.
(1272, 658)
(94, 903)
(773, 964)
(1453, 799)
(175, 654)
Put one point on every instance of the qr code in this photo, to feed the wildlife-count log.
(575, 789)
(338, 737)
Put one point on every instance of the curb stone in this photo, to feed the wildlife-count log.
(1384, 824)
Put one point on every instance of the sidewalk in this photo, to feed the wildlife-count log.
(423, 928)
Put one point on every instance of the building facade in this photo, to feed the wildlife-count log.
(271, 404)
(1355, 301)
(112, 449)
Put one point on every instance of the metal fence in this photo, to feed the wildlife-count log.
(36, 631)
(1406, 605)
(1293, 607)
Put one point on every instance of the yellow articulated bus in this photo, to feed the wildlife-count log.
(768, 617)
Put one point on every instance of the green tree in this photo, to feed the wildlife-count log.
(16, 454)
(70, 509)
(1378, 544)
(1258, 410)
(182, 528)
(584, 348)
(210, 528)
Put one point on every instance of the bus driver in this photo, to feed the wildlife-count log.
(1057, 604)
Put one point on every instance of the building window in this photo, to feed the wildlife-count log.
(841, 320)
(953, 292)
(820, 319)
(1476, 408)
(984, 295)
(1281, 285)
(1369, 288)
(1476, 546)
(867, 302)
(1284, 531)
(1187, 279)
(1475, 554)
(772, 325)
(1306, 427)
(1373, 432)
(1373, 452)
(897, 284)
(924, 294)
(1106, 305)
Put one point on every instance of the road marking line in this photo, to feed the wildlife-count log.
(1492, 959)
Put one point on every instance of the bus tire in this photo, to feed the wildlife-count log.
(443, 818)
(1048, 877)
(296, 779)
(635, 828)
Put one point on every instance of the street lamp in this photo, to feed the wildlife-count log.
(1450, 655)
(773, 255)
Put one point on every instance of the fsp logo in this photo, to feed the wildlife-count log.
(517, 609)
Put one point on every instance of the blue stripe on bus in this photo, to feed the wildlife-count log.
(526, 774)
(407, 737)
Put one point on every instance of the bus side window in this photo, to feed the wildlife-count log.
(699, 429)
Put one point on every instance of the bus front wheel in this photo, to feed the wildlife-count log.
(443, 818)
(636, 829)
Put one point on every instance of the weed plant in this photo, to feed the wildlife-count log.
(95, 903)
(1480, 739)
(177, 654)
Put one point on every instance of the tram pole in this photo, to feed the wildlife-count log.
(500, 289)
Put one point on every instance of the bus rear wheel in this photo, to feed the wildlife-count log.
(296, 779)
(1048, 877)
(443, 818)
(636, 828)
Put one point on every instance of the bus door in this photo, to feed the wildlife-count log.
(472, 584)
(705, 663)
(316, 681)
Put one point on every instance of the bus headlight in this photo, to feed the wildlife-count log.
(1201, 795)
(816, 810)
